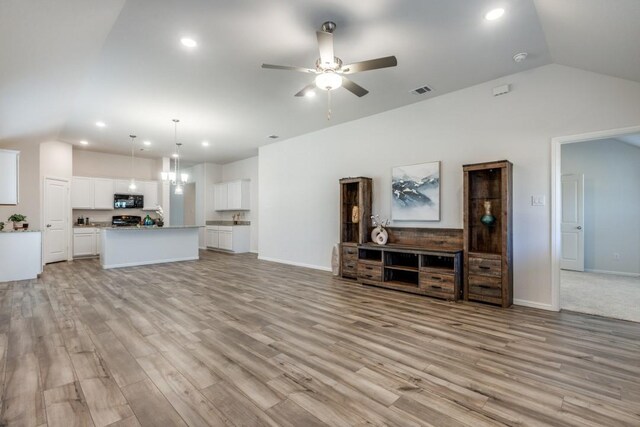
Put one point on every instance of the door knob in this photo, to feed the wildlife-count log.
(48, 225)
(579, 227)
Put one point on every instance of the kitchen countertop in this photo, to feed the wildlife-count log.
(151, 227)
(221, 222)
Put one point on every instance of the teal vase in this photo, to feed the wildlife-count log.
(148, 220)
(488, 219)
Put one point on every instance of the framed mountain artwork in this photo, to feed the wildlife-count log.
(415, 192)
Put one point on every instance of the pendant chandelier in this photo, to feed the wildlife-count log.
(132, 183)
(176, 178)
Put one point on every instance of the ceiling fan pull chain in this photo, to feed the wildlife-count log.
(328, 105)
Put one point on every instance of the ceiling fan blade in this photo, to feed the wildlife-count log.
(288, 68)
(354, 88)
(308, 88)
(325, 44)
(371, 64)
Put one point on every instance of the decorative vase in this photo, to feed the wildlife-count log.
(159, 222)
(17, 225)
(355, 214)
(147, 221)
(380, 235)
(488, 219)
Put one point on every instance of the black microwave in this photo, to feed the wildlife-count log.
(128, 201)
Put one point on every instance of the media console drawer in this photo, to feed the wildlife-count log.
(437, 282)
(369, 271)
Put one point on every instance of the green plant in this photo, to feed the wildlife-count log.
(17, 218)
(1, 225)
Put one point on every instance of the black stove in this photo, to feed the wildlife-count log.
(125, 220)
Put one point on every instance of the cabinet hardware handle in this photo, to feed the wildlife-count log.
(436, 278)
(484, 267)
(436, 287)
(485, 286)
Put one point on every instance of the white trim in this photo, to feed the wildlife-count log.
(616, 273)
(533, 304)
(556, 194)
(297, 264)
(137, 263)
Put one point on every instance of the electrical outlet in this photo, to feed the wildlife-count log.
(537, 201)
(616, 256)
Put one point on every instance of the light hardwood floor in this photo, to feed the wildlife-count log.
(230, 340)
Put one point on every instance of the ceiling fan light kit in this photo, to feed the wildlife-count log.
(329, 69)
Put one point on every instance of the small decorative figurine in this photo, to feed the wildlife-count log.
(355, 214)
(379, 234)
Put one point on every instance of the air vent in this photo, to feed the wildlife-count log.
(421, 90)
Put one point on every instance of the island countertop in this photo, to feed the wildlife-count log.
(150, 227)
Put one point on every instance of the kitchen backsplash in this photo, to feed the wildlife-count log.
(105, 216)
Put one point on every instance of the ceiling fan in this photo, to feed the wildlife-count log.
(330, 71)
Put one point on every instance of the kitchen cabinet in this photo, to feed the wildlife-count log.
(234, 239)
(92, 193)
(121, 186)
(150, 193)
(232, 196)
(9, 165)
(102, 193)
(85, 241)
(220, 196)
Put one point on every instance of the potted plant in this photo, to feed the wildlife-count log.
(160, 213)
(1, 225)
(17, 219)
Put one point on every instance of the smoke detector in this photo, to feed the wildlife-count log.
(519, 57)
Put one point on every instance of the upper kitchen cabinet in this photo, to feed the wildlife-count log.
(92, 193)
(150, 193)
(9, 161)
(232, 196)
(103, 193)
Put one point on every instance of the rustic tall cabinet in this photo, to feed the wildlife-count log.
(488, 252)
(355, 221)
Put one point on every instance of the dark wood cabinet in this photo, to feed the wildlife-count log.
(435, 273)
(355, 221)
(488, 251)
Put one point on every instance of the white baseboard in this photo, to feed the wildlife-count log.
(533, 304)
(617, 273)
(297, 264)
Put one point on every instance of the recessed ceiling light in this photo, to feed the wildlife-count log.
(494, 14)
(310, 94)
(147, 143)
(186, 41)
(101, 124)
(84, 143)
(174, 155)
(205, 143)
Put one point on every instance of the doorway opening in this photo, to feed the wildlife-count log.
(596, 224)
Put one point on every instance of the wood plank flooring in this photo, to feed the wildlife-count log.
(230, 340)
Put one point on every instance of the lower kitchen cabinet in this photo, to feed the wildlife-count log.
(235, 238)
(86, 241)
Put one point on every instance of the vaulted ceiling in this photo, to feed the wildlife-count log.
(66, 64)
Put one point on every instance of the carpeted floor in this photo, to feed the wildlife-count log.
(601, 294)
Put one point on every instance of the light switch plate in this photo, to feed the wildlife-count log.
(537, 200)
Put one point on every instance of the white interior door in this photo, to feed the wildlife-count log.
(56, 220)
(572, 226)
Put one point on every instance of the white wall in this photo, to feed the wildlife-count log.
(245, 169)
(298, 178)
(29, 184)
(103, 165)
(611, 202)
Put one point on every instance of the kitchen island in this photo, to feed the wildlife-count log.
(131, 246)
(20, 255)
